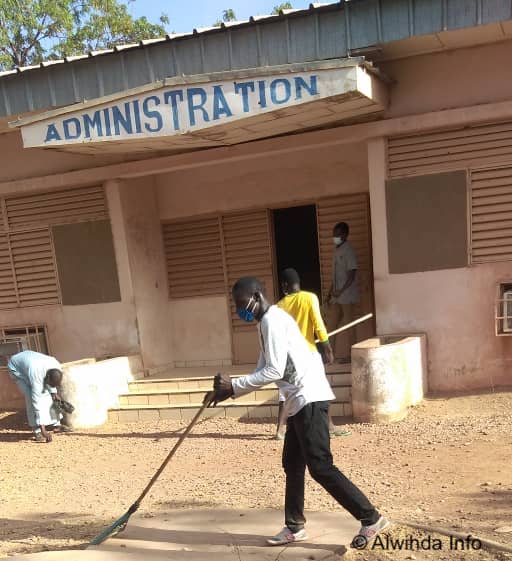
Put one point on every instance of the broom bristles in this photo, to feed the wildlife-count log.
(116, 527)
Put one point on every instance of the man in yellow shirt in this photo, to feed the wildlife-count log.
(304, 307)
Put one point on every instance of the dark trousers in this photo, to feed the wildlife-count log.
(307, 443)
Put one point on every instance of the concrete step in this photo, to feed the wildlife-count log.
(209, 371)
(205, 383)
(230, 409)
(186, 397)
(177, 394)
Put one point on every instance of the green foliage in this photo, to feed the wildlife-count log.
(283, 6)
(35, 30)
(227, 15)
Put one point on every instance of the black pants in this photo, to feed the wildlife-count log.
(307, 443)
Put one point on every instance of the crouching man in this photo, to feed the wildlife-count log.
(39, 377)
(286, 359)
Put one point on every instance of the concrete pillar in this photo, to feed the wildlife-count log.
(113, 195)
(148, 270)
(377, 187)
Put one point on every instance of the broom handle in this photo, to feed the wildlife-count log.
(206, 402)
(348, 326)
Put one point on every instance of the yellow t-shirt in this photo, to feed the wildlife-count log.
(304, 308)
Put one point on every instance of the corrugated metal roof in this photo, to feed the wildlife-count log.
(169, 37)
(321, 32)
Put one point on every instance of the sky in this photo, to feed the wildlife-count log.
(186, 15)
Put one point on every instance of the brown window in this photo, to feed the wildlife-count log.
(427, 222)
(86, 263)
(193, 253)
(491, 215)
(28, 274)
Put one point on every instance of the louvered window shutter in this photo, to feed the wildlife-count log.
(34, 267)
(491, 215)
(449, 150)
(248, 250)
(193, 253)
(8, 298)
(57, 207)
(28, 273)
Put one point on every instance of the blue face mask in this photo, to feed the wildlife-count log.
(245, 314)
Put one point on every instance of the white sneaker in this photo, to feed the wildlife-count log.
(286, 536)
(367, 533)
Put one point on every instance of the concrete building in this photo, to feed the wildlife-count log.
(137, 184)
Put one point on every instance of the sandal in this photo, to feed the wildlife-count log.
(339, 432)
(62, 428)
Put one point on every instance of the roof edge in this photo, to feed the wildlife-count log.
(200, 79)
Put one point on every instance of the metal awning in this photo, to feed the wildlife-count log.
(222, 109)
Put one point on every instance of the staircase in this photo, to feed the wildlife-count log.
(177, 394)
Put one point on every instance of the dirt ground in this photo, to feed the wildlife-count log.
(448, 464)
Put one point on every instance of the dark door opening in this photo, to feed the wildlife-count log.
(296, 245)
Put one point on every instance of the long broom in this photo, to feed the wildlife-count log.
(120, 524)
(347, 326)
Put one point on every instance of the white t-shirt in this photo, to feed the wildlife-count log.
(287, 360)
(344, 260)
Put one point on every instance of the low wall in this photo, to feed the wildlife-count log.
(93, 387)
(389, 375)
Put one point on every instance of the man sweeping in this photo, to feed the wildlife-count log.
(304, 308)
(286, 359)
(39, 377)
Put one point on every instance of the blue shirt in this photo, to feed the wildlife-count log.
(31, 367)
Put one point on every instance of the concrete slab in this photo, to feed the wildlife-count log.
(229, 535)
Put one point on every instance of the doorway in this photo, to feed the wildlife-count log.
(296, 246)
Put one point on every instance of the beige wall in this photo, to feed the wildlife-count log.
(271, 181)
(200, 329)
(264, 182)
(451, 79)
(147, 269)
(454, 307)
(77, 332)
(19, 163)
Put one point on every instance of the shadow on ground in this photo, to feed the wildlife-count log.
(48, 533)
(172, 434)
(14, 427)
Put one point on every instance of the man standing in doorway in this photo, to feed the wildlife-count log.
(344, 292)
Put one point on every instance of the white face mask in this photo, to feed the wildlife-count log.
(337, 240)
